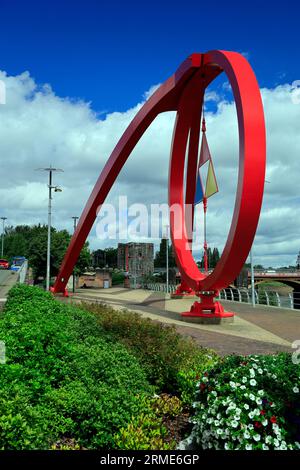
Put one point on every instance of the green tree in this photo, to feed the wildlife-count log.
(31, 242)
(160, 257)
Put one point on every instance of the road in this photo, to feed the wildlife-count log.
(7, 280)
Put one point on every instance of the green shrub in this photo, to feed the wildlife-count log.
(171, 362)
(148, 430)
(249, 403)
(64, 377)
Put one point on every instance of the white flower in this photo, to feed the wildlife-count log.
(296, 390)
(246, 406)
(251, 415)
(258, 401)
(260, 371)
(252, 397)
(246, 434)
(234, 424)
(276, 443)
(260, 393)
(226, 446)
(248, 446)
(232, 384)
(265, 422)
(252, 373)
(244, 380)
(243, 387)
(253, 382)
(216, 423)
(250, 426)
(256, 437)
(264, 447)
(268, 439)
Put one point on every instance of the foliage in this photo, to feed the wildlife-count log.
(249, 403)
(31, 242)
(170, 361)
(117, 278)
(107, 257)
(213, 257)
(64, 377)
(147, 431)
(161, 255)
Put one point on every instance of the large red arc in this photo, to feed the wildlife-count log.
(183, 92)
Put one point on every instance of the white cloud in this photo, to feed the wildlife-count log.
(38, 128)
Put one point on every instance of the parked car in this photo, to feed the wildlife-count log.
(4, 264)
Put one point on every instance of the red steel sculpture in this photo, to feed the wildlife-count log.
(184, 92)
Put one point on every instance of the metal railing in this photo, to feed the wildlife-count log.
(262, 297)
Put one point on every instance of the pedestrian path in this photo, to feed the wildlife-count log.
(263, 330)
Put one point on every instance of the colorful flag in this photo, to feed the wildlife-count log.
(211, 186)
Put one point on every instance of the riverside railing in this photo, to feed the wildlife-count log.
(262, 297)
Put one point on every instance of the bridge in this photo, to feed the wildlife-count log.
(279, 275)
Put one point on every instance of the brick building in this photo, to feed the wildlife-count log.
(140, 258)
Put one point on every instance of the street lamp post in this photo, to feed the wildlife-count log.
(3, 225)
(75, 218)
(167, 258)
(50, 170)
(252, 280)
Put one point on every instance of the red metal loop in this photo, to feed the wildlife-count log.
(252, 158)
(184, 92)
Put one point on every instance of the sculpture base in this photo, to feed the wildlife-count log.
(207, 312)
(183, 290)
(65, 293)
(207, 318)
(181, 295)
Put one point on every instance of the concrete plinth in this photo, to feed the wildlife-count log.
(207, 319)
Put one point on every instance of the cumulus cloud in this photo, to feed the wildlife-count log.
(37, 128)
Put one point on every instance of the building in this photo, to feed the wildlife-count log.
(100, 279)
(138, 258)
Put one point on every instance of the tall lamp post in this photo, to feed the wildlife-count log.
(50, 171)
(75, 218)
(3, 225)
(167, 258)
(252, 279)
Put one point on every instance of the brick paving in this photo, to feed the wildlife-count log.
(283, 323)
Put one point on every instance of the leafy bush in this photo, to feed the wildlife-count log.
(117, 278)
(64, 377)
(249, 403)
(171, 362)
(148, 430)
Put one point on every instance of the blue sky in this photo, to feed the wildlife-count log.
(110, 52)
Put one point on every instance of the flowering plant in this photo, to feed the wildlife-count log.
(249, 403)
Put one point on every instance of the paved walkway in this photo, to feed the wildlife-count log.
(7, 280)
(260, 330)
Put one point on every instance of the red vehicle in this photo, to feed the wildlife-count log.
(4, 264)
